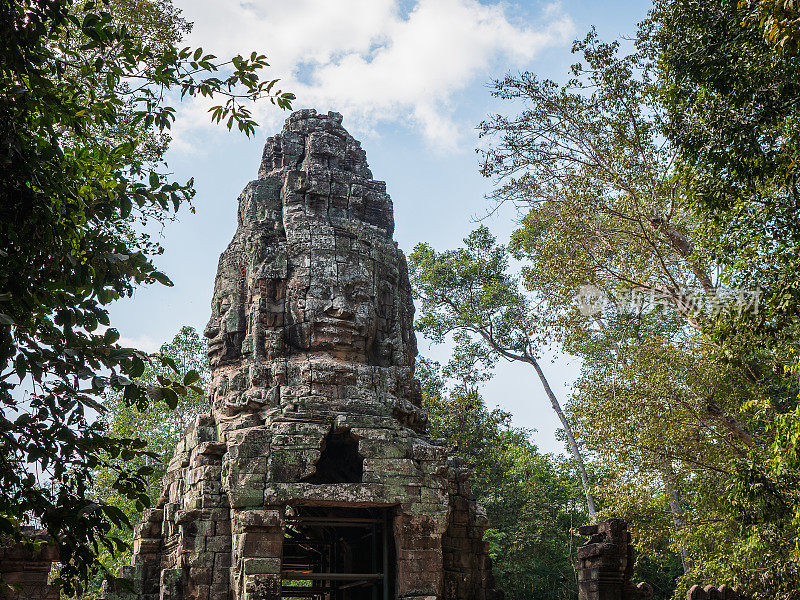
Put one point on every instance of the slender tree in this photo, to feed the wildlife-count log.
(470, 291)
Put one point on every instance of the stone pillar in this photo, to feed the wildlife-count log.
(257, 553)
(605, 564)
(146, 547)
(24, 566)
(467, 565)
(418, 539)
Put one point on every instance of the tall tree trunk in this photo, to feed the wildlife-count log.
(730, 423)
(679, 524)
(573, 445)
(678, 515)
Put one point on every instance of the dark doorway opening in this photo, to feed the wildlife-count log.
(340, 461)
(338, 554)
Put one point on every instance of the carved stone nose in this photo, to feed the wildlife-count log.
(340, 309)
(212, 329)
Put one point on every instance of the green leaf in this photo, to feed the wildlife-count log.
(191, 377)
(111, 336)
(170, 397)
(20, 366)
(137, 367)
(169, 362)
(7, 526)
(94, 404)
(161, 278)
(125, 206)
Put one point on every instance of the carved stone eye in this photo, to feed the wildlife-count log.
(357, 291)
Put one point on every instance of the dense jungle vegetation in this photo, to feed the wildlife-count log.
(658, 241)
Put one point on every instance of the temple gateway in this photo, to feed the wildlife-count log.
(312, 476)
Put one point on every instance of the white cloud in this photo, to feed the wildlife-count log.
(143, 342)
(370, 59)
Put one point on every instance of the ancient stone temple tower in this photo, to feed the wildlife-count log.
(312, 476)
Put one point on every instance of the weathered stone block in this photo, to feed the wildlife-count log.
(262, 543)
(218, 543)
(262, 587)
(262, 566)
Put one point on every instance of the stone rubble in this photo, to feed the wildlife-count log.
(605, 564)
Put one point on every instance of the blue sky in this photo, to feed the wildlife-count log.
(410, 77)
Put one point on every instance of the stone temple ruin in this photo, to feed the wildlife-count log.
(605, 564)
(312, 476)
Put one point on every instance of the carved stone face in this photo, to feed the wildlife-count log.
(312, 267)
(226, 328)
(339, 296)
(334, 309)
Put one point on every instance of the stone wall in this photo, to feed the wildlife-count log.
(710, 592)
(24, 570)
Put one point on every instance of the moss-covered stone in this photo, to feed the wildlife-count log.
(313, 397)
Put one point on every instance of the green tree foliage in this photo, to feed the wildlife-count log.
(680, 419)
(584, 161)
(731, 104)
(778, 19)
(159, 427)
(83, 103)
(470, 292)
(532, 500)
(728, 77)
(640, 406)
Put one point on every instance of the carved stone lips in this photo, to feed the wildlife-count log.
(336, 327)
(215, 345)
